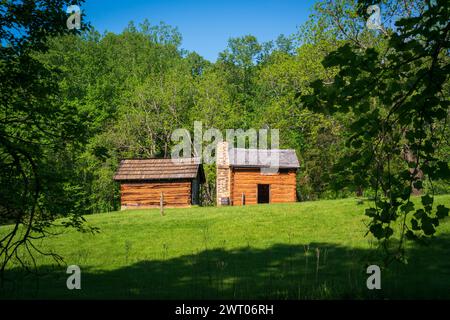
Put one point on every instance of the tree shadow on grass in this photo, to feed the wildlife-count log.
(282, 271)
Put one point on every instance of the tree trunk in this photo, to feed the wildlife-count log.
(409, 156)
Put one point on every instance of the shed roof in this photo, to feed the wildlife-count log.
(159, 169)
(259, 158)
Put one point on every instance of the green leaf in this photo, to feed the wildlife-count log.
(435, 221)
(371, 212)
(406, 193)
(415, 224)
(410, 235)
(418, 184)
(427, 200)
(407, 207)
(412, 165)
(444, 170)
(376, 230)
(442, 211)
(428, 228)
(388, 231)
(419, 214)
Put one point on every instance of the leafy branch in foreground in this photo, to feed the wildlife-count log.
(38, 132)
(398, 100)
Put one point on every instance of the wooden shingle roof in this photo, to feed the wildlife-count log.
(159, 169)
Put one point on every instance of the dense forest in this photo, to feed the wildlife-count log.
(99, 98)
(131, 90)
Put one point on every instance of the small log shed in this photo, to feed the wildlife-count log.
(142, 181)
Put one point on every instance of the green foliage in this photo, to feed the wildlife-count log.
(39, 131)
(397, 96)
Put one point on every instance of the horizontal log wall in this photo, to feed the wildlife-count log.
(148, 194)
(282, 185)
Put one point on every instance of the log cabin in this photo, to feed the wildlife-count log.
(248, 176)
(143, 182)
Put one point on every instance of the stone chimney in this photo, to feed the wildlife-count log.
(223, 174)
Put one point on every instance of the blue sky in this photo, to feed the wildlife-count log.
(205, 26)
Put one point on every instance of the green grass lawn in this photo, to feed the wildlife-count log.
(308, 250)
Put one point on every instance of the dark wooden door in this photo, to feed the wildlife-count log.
(263, 193)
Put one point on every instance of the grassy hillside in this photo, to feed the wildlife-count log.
(302, 250)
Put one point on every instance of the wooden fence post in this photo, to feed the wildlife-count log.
(161, 204)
